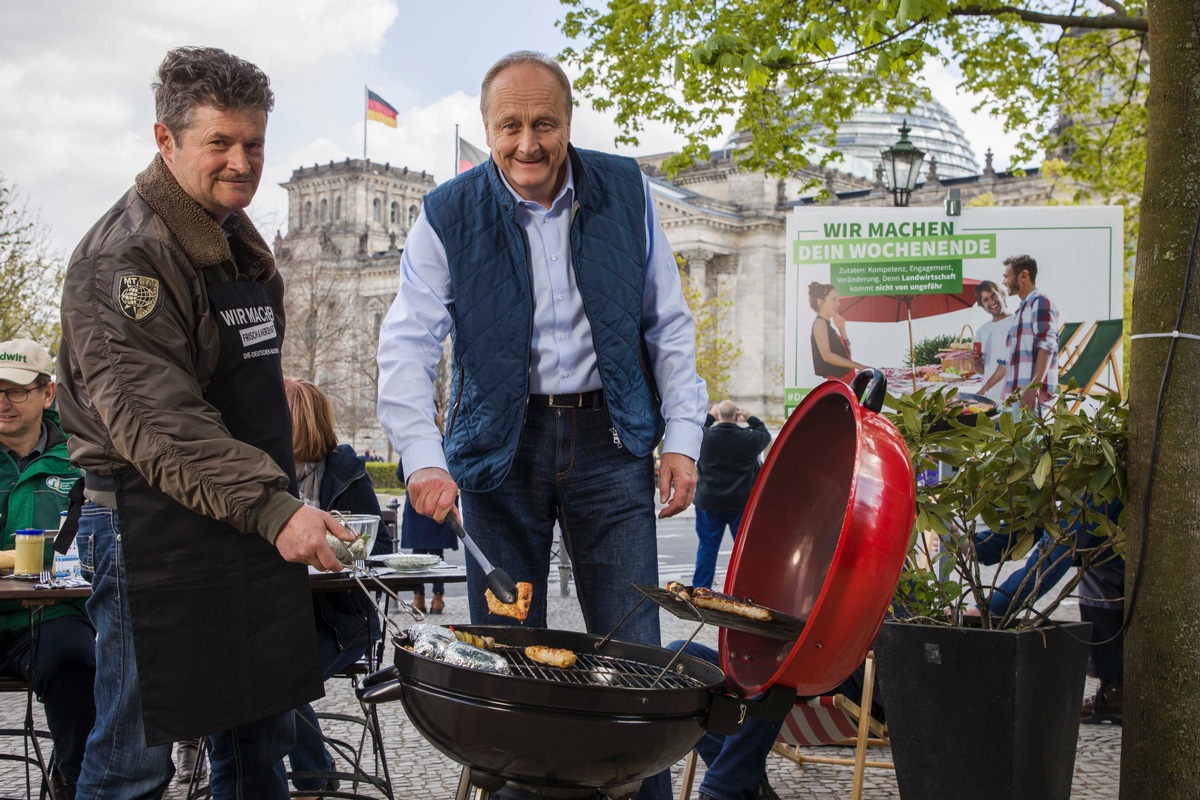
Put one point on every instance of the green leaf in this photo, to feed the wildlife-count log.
(883, 64)
(1042, 471)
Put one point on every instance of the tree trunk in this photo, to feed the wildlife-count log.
(1160, 756)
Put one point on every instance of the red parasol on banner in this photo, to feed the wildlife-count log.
(899, 307)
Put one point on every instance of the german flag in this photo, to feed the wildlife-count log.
(380, 110)
(469, 155)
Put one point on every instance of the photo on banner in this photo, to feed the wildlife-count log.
(906, 281)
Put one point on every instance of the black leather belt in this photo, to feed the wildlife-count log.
(585, 400)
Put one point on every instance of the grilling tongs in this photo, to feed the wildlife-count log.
(497, 579)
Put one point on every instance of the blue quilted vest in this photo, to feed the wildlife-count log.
(474, 216)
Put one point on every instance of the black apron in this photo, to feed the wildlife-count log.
(222, 625)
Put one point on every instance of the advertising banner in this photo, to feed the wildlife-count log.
(909, 279)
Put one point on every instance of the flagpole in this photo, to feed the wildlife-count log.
(366, 105)
(456, 153)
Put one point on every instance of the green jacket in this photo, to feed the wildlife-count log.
(34, 499)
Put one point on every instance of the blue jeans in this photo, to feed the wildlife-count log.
(736, 763)
(567, 467)
(246, 761)
(990, 547)
(710, 529)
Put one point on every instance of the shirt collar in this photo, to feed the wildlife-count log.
(565, 195)
(38, 448)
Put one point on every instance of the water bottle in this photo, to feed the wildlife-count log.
(66, 565)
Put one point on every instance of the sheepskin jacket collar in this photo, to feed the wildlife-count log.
(201, 238)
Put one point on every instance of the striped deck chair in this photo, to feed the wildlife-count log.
(1068, 344)
(1096, 355)
(825, 720)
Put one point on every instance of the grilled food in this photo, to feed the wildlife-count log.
(518, 610)
(675, 587)
(717, 601)
(484, 642)
(551, 656)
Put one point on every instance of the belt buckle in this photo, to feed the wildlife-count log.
(578, 401)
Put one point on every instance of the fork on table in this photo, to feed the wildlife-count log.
(48, 577)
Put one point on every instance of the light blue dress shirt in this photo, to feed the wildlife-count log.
(562, 358)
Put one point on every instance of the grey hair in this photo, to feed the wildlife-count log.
(525, 58)
(207, 76)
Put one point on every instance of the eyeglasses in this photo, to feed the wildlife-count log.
(19, 395)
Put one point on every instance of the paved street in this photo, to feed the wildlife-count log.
(419, 772)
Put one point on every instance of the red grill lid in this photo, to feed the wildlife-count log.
(823, 538)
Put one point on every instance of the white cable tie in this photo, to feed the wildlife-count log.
(1171, 335)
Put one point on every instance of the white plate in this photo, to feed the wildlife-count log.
(408, 561)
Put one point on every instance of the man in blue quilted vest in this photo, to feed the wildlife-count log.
(573, 353)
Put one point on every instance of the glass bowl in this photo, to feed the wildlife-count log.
(365, 526)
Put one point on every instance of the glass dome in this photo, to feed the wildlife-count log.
(872, 128)
(934, 130)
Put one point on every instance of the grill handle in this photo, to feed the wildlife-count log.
(497, 579)
(727, 713)
(383, 686)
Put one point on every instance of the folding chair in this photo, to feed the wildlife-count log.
(1068, 346)
(825, 720)
(1097, 353)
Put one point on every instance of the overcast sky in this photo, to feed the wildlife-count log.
(77, 111)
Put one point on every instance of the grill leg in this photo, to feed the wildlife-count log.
(477, 785)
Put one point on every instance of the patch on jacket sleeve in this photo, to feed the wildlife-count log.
(138, 296)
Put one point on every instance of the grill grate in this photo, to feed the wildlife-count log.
(782, 626)
(597, 670)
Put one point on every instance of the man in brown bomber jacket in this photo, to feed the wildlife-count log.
(171, 386)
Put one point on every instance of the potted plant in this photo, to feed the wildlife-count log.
(967, 651)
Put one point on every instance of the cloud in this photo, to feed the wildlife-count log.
(75, 126)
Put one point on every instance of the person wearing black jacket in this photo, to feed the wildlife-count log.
(331, 477)
(728, 467)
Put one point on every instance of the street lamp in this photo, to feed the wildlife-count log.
(901, 165)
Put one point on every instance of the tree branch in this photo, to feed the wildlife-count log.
(1109, 22)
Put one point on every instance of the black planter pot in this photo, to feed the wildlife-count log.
(986, 715)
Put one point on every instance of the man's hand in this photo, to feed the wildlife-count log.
(742, 415)
(302, 539)
(677, 482)
(432, 492)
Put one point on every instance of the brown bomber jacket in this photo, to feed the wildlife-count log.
(140, 345)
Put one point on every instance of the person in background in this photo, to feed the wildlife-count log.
(728, 467)
(1101, 593)
(35, 479)
(424, 534)
(573, 352)
(830, 347)
(331, 477)
(171, 387)
(993, 336)
(1031, 367)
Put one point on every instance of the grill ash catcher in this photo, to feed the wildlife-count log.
(822, 544)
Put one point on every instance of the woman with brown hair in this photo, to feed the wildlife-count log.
(331, 477)
(830, 347)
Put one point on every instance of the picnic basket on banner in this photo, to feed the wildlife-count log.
(960, 355)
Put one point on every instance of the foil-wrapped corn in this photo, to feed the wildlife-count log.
(426, 631)
(461, 654)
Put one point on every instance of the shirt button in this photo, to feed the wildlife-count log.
(562, 336)
(554, 258)
(560, 297)
(566, 374)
